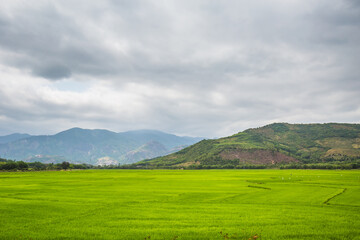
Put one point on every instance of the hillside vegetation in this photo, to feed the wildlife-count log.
(279, 144)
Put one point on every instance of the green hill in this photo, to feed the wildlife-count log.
(278, 144)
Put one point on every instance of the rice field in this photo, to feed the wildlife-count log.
(180, 204)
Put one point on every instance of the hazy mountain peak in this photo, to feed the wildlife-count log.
(13, 137)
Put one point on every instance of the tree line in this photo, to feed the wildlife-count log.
(12, 165)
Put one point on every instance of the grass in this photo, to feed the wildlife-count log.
(175, 204)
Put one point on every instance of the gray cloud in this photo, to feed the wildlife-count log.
(53, 71)
(207, 68)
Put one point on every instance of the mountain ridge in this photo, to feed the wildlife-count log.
(93, 146)
(13, 137)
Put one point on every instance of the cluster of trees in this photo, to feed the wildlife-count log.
(337, 165)
(227, 166)
(11, 165)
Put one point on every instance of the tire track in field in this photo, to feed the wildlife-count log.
(252, 186)
(330, 198)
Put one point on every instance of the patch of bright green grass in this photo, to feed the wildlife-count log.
(175, 204)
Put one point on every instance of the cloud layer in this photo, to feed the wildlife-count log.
(200, 68)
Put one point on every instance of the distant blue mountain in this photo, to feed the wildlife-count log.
(13, 137)
(94, 146)
(168, 140)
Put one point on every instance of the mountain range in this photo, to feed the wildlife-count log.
(98, 147)
(275, 144)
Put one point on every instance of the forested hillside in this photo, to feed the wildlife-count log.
(279, 144)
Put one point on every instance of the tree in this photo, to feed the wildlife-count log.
(22, 165)
(65, 165)
(37, 165)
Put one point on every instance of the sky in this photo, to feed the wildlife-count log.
(206, 68)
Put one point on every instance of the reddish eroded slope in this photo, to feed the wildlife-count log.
(257, 156)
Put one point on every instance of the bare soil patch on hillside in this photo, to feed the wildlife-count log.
(258, 156)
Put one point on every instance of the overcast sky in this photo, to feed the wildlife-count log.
(199, 68)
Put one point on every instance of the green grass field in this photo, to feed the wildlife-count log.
(175, 204)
